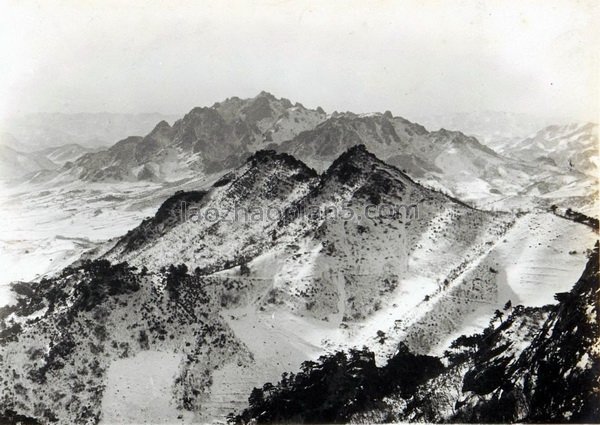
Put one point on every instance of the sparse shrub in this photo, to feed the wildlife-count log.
(244, 269)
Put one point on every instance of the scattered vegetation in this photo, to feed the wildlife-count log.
(577, 217)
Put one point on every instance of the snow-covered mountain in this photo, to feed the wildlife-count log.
(276, 234)
(230, 285)
(570, 147)
(321, 275)
(492, 128)
(123, 183)
(15, 164)
(444, 159)
(206, 140)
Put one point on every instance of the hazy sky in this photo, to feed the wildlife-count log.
(411, 57)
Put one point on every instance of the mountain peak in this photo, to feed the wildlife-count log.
(163, 125)
(268, 156)
(356, 159)
(357, 150)
(265, 94)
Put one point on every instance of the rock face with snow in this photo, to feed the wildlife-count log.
(203, 291)
(206, 140)
(215, 139)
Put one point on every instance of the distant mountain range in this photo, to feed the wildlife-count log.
(39, 131)
(216, 139)
(206, 140)
(492, 128)
(16, 165)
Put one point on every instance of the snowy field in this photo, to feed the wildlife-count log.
(139, 389)
(48, 226)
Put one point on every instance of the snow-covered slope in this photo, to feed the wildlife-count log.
(532, 364)
(571, 147)
(14, 164)
(257, 296)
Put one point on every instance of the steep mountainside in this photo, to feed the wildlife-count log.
(222, 304)
(539, 364)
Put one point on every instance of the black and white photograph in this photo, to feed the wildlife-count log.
(299, 212)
